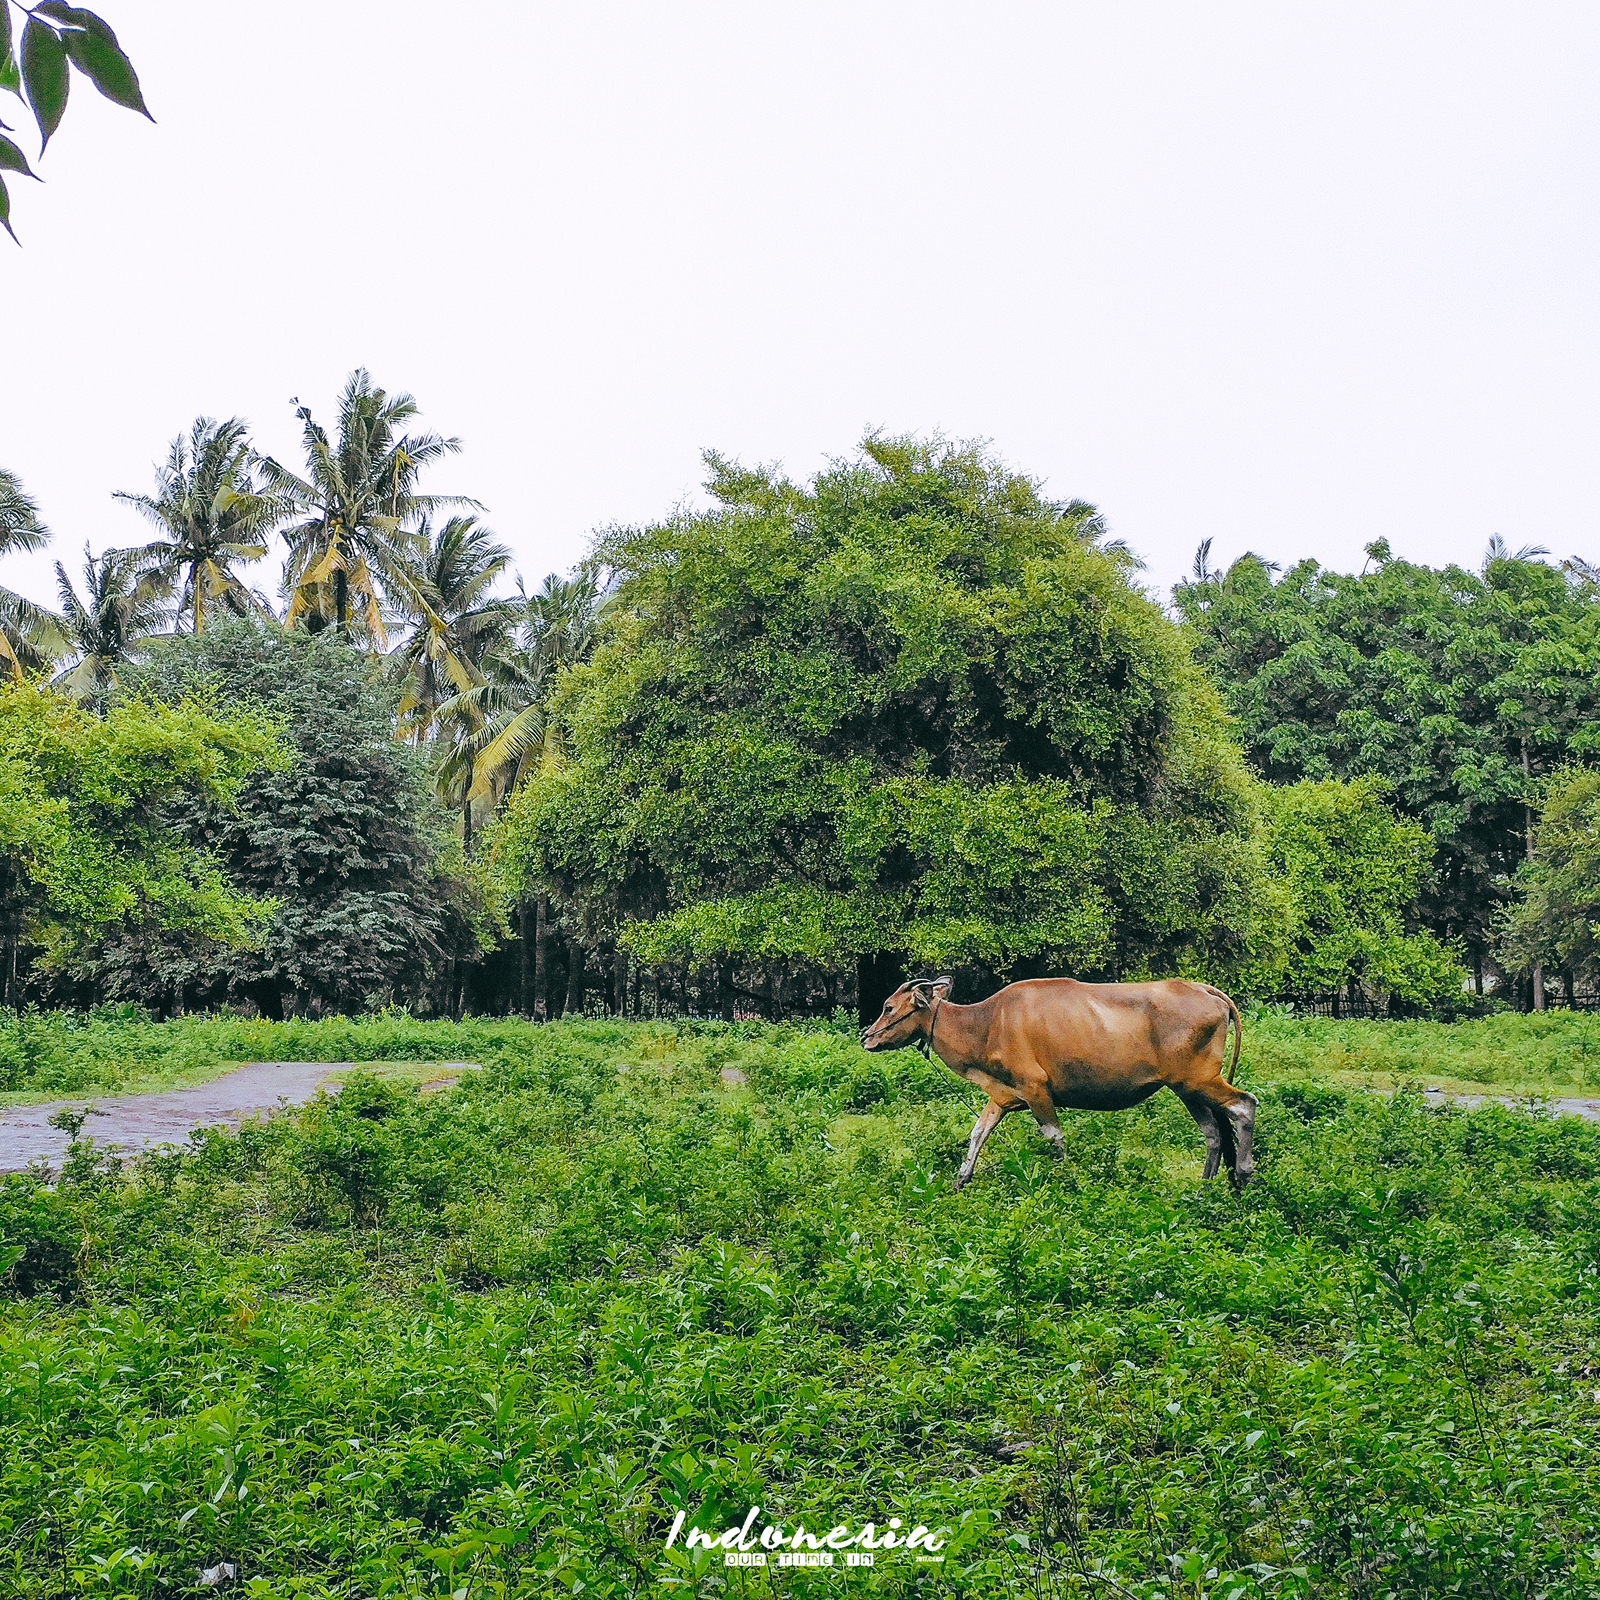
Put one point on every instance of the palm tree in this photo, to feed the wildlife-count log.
(350, 544)
(503, 728)
(123, 604)
(1498, 550)
(29, 635)
(455, 621)
(504, 716)
(212, 515)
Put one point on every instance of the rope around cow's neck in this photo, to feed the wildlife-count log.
(933, 1022)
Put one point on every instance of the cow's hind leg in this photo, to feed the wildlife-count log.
(1044, 1113)
(988, 1121)
(1239, 1119)
(1209, 1119)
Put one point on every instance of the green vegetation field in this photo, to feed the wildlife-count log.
(115, 1051)
(488, 1341)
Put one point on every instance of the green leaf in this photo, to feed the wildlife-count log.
(5, 31)
(75, 17)
(10, 75)
(106, 67)
(5, 211)
(44, 72)
(13, 160)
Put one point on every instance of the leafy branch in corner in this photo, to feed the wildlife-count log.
(36, 67)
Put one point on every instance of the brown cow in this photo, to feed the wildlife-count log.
(1052, 1042)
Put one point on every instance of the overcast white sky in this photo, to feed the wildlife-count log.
(1290, 276)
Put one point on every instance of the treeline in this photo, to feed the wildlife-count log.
(768, 757)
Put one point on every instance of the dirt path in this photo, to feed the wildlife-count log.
(133, 1121)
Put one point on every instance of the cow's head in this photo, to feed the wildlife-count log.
(906, 1014)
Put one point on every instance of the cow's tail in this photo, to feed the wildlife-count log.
(1238, 1031)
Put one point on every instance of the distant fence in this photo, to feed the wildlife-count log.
(1342, 1005)
(1554, 1000)
(1385, 1008)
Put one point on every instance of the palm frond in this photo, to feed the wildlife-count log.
(20, 525)
(1498, 550)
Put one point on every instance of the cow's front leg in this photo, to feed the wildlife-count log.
(988, 1121)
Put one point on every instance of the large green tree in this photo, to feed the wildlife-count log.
(374, 903)
(1343, 869)
(1458, 689)
(505, 729)
(83, 845)
(909, 710)
(1557, 923)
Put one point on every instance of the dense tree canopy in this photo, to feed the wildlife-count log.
(83, 848)
(370, 887)
(912, 706)
(1558, 921)
(1344, 868)
(909, 713)
(1453, 687)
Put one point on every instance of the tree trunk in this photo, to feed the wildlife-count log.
(522, 959)
(541, 958)
(619, 979)
(466, 821)
(725, 996)
(575, 958)
(1527, 812)
(1477, 972)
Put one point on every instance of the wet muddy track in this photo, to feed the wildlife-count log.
(132, 1122)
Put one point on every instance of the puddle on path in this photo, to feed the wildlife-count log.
(1587, 1109)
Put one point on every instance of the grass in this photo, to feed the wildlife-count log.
(1553, 1053)
(489, 1341)
(114, 1050)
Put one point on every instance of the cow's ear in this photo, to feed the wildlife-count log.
(942, 987)
(921, 997)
